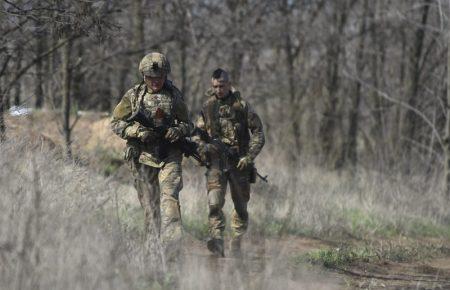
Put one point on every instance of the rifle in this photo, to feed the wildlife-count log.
(227, 151)
(187, 147)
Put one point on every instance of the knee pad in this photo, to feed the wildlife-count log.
(215, 209)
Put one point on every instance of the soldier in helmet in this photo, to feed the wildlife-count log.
(155, 163)
(232, 138)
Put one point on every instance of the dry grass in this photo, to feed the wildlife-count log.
(63, 226)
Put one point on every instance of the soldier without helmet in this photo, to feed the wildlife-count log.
(234, 137)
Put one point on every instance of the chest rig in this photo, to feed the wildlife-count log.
(157, 106)
(227, 120)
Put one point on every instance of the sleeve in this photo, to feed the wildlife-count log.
(257, 138)
(182, 116)
(200, 124)
(122, 111)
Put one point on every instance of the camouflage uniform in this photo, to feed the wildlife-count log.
(158, 178)
(231, 120)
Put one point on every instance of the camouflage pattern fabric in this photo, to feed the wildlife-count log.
(233, 121)
(158, 180)
(217, 180)
(158, 191)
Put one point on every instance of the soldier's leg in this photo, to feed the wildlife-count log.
(146, 184)
(170, 182)
(240, 194)
(216, 186)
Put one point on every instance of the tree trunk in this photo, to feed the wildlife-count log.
(66, 75)
(2, 113)
(78, 88)
(447, 127)
(40, 47)
(17, 86)
(237, 54)
(291, 54)
(414, 79)
(330, 118)
(352, 142)
(138, 42)
(377, 33)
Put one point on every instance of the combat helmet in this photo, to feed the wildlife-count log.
(154, 64)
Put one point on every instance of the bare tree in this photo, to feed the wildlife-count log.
(349, 150)
(411, 120)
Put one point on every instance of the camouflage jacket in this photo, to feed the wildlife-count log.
(169, 99)
(232, 120)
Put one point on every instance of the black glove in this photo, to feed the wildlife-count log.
(147, 135)
(173, 134)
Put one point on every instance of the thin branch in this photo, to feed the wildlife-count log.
(35, 60)
(403, 104)
(13, 5)
(12, 29)
(5, 64)
(74, 122)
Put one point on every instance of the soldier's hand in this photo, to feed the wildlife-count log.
(203, 152)
(147, 135)
(173, 134)
(244, 162)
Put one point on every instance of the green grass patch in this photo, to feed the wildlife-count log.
(392, 251)
(361, 224)
(336, 257)
(426, 228)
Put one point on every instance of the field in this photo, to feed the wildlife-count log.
(78, 224)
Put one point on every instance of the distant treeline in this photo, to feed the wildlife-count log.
(346, 83)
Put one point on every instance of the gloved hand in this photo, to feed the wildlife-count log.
(244, 162)
(146, 135)
(203, 151)
(173, 134)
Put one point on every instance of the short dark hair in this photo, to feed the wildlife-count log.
(220, 74)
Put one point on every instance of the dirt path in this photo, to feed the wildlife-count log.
(268, 264)
(265, 264)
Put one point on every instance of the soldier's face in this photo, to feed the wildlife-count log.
(155, 83)
(221, 87)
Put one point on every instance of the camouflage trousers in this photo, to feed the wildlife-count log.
(158, 191)
(217, 180)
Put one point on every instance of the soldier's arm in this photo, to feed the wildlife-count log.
(122, 111)
(182, 116)
(257, 138)
(199, 126)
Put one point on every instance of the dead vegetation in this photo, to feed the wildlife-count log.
(65, 225)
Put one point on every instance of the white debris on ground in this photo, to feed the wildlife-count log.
(19, 111)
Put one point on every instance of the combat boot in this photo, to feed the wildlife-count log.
(215, 246)
(235, 247)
